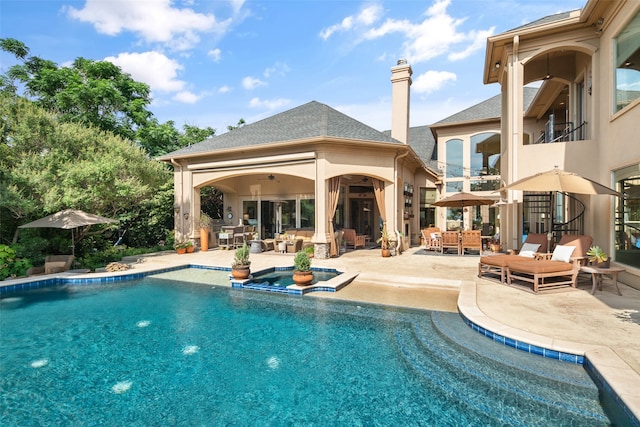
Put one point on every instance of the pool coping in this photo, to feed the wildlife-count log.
(606, 368)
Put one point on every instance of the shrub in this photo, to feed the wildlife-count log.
(302, 262)
(10, 265)
(241, 257)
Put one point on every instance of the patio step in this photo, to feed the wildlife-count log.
(495, 390)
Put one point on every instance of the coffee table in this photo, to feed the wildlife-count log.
(598, 272)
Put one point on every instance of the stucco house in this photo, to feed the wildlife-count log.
(309, 167)
(585, 118)
(570, 98)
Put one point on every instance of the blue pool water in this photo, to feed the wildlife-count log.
(161, 352)
(284, 278)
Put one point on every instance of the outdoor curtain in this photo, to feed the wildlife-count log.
(334, 194)
(378, 190)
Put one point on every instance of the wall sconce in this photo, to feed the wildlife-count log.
(186, 215)
(176, 208)
(496, 65)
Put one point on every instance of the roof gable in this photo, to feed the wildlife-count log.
(307, 121)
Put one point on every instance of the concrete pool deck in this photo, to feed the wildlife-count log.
(604, 327)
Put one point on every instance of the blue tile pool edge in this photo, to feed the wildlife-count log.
(6, 289)
(601, 383)
(292, 289)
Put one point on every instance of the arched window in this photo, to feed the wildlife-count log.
(454, 166)
(485, 154)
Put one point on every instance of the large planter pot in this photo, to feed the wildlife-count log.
(241, 272)
(302, 278)
(181, 250)
(604, 264)
(190, 249)
(204, 239)
(386, 253)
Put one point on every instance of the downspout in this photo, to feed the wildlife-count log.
(395, 199)
(176, 164)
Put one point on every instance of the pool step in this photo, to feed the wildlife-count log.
(492, 388)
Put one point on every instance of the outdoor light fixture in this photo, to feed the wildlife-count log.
(271, 177)
(497, 65)
(548, 76)
(176, 208)
(186, 215)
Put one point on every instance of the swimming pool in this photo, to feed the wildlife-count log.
(160, 352)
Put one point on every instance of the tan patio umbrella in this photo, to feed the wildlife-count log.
(462, 199)
(559, 180)
(68, 219)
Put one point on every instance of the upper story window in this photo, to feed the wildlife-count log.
(485, 154)
(627, 64)
(454, 166)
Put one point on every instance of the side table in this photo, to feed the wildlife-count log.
(256, 246)
(598, 272)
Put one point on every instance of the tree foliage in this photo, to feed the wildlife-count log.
(49, 165)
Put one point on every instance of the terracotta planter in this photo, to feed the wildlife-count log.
(190, 249)
(204, 239)
(181, 250)
(386, 253)
(302, 278)
(241, 272)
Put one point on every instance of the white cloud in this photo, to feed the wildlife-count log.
(186, 97)
(367, 16)
(224, 89)
(250, 83)
(154, 21)
(215, 54)
(435, 35)
(279, 69)
(270, 104)
(431, 81)
(152, 68)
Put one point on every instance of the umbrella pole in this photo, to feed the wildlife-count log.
(73, 244)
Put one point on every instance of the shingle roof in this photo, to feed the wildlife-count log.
(546, 20)
(311, 120)
(489, 109)
(424, 144)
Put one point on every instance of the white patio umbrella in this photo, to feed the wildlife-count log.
(68, 219)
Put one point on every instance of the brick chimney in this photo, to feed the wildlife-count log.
(400, 84)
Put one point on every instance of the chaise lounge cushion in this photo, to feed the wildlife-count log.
(540, 266)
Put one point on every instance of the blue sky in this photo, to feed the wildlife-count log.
(210, 63)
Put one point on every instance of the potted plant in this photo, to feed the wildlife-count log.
(302, 274)
(182, 247)
(205, 227)
(240, 266)
(384, 241)
(598, 257)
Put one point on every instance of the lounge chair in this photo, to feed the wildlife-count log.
(353, 239)
(497, 264)
(450, 240)
(53, 264)
(562, 267)
(471, 240)
(432, 238)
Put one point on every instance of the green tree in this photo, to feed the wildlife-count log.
(50, 165)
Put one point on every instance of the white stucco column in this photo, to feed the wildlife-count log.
(514, 121)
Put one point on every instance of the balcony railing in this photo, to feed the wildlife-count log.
(560, 132)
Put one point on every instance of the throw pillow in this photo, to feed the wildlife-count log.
(529, 250)
(562, 253)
